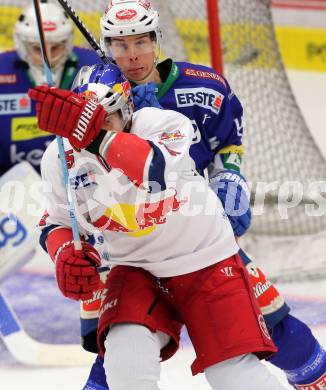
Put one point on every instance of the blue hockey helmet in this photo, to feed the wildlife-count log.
(107, 85)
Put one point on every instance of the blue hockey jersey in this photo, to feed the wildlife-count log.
(205, 97)
(21, 139)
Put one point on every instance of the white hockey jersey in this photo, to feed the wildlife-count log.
(172, 226)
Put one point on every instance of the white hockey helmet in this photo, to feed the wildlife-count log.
(57, 29)
(129, 17)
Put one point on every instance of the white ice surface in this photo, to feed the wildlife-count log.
(175, 374)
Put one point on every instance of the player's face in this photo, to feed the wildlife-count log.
(135, 55)
(113, 121)
(55, 53)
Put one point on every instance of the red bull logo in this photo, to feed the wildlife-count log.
(139, 220)
(89, 95)
(123, 89)
(126, 88)
(171, 136)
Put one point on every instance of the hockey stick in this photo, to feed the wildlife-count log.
(86, 33)
(31, 352)
(49, 79)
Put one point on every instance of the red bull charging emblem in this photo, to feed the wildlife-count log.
(139, 220)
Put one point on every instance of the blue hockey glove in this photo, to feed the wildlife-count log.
(144, 96)
(232, 189)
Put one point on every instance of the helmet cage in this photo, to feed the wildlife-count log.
(57, 28)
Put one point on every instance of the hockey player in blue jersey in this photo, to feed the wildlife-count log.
(22, 142)
(203, 95)
(20, 69)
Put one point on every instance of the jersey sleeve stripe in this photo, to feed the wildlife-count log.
(44, 235)
(237, 149)
(156, 172)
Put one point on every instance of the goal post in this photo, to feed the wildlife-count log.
(214, 35)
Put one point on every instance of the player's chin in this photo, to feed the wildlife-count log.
(137, 74)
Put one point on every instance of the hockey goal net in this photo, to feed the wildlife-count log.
(282, 160)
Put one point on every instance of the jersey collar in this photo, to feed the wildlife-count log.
(169, 79)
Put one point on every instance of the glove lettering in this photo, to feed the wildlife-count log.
(234, 193)
(84, 119)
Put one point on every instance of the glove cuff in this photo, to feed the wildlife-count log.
(60, 249)
(231, 176)
(56, 239)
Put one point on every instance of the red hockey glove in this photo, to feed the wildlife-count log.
(76, 271)
(67, 114)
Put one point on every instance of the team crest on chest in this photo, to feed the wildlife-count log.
(170, 136)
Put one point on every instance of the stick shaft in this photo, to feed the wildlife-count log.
(65, 172)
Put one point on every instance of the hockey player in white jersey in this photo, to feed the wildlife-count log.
(167, 232)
